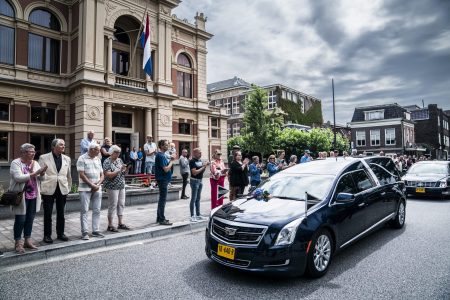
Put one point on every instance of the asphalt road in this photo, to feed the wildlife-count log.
(412, 263)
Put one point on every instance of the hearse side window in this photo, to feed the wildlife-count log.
(362, 180)
(346, 185)
(383, 176)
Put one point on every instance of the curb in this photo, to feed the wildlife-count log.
(51, 251)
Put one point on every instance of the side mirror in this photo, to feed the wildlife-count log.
(345, 198)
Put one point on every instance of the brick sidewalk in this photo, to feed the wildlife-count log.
(137, 217)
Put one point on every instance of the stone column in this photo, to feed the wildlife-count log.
(110, 48)
(148, 128)
(108, 120)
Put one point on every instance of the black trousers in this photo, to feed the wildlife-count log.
(185, 182)
(49, 200)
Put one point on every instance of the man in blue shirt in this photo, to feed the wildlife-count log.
(163, 175)
(306, 157)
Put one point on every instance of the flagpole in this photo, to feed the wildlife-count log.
(137, 39)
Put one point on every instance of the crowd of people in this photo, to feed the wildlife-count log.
(103, 168)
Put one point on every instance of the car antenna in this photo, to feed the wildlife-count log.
(306, 204)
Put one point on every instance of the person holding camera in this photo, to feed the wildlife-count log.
(218, 174)
(163, 175)
(114, 170)
(25, 173)
(54, 188)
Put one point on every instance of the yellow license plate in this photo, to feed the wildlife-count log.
(420, 190)
(226, 251)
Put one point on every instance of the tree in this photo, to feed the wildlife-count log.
(260, 127)
(236, 141)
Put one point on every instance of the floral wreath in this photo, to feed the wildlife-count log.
(261, 194)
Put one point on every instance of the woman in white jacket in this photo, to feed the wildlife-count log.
(25, 176)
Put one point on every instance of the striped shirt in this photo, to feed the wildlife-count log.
(92, 167)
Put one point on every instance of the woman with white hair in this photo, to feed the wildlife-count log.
(25, 173)
(114, 170)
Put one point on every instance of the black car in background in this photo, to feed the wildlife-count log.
(309, 212)
(428, 178)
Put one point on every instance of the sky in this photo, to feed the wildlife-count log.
(376, 51)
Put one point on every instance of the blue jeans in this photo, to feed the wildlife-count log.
(162, 184)
(196, 192)
(149, 167)
(24, 223)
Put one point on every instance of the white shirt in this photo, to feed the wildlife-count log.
(149, 147)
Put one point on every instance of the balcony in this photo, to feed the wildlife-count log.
(130, 82)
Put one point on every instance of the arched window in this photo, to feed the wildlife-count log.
(44, 18)
(184, 76)
(120, 53)
(6, 9)
(6, 34)
(44, 51)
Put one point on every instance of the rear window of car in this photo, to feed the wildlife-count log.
(383, 176)
(362, 180)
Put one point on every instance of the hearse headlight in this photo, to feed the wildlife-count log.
(287, 234)
(443, 184)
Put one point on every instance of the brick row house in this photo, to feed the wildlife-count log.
(70, 66)
(386, 128)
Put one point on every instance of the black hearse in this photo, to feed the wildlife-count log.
(297, 219)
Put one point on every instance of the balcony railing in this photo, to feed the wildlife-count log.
(130, 82)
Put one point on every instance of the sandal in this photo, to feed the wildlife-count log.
(123, 226)
(112, 229)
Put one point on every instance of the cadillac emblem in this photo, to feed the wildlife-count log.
(230, 231)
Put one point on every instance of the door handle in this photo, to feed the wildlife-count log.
(361, 204)
(383, 193)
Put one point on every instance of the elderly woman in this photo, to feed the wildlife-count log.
(272, 166)
(25, 173)
(218, 173)
(114, 170)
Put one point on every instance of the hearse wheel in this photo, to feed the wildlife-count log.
(319, 255)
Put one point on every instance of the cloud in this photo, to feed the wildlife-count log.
(377, 51)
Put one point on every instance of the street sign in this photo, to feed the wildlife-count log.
(221, 191)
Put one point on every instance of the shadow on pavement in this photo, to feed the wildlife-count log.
(216, 281)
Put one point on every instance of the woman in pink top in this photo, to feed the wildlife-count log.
(218, 173)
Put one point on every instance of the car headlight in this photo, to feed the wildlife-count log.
(443, 183)
(287, 234)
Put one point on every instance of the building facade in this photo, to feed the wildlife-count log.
(295, 107)
(386, 128)
(432, 129)
(70, 66)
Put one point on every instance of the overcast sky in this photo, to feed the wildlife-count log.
(376, 51)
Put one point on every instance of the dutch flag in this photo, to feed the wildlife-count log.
(145, 42)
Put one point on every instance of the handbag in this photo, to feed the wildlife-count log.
(12, 198)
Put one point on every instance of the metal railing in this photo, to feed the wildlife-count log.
(131, 82)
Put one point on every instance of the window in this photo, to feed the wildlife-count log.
(227, 105)
(384, 177)
(184, 145)
(389, 136)
(272, 99)
(420, 114)
(123, 120)
(228, 131)
(4, 112)
(120, 62)
(184, 79)
(235, 105)
(7, 45)
(215, 128)
(236, 129)
(374, 115)
(43, 53)
(362, 180)
(346, 185)
(3, 145)
(42, 143)
(360, 138)
(121, 36)
(283, 94)
(6, 9)
(375, 138)
(44, 18)
(42, 115)
(184, 128)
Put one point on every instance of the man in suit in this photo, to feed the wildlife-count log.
(55, 186)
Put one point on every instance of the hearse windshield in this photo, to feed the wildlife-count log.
(294, 186)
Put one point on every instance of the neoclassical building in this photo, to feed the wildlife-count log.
(70, 66)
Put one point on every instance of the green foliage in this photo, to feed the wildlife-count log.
(260, 127)
(294, 113)
(74, 188)
(236, 140)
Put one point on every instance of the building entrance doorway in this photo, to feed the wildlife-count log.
(122, 139)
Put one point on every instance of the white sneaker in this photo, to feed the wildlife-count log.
(193, 219)
(85, 237)
(201, 218)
